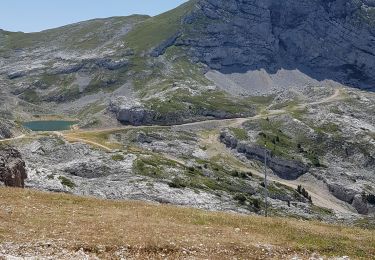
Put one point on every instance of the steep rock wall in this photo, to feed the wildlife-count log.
(323, 39)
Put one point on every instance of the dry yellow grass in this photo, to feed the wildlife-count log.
(96, 139)
(159, 231)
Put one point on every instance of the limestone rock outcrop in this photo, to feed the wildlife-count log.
(286, 169)
(5, 131)
(323, 39)
(12, 168)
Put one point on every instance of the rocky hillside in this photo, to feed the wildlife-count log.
(215, 49)
(209, 87)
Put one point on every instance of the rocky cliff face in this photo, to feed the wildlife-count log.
(12, 168)
(286, 169)
(133, 112)
(323, 39)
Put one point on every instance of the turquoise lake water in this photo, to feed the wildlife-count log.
(53, 125)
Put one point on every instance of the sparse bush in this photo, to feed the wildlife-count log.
(177, 183)
(315, 161)
(370, 198)
(242, 175)
(117, 157)
(262, 135)
(304, 192)
(238, 174)
(256, 203)
(240, 198)
(67, 182)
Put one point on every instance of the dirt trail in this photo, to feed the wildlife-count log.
(336, 96)
(74, 139)
(12, 139)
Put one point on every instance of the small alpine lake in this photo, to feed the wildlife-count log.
(49, 125)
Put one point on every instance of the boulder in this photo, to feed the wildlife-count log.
(360, 204)
(12, 168)
(5, 131)
(88, 169)
(341, 192)
(228, 139)
(130, 111)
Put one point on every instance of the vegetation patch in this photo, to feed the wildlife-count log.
(30, 95)
(154, 166)
(274, 139)
(67, 182)
(177, 183)
(155, 30)
(117, 157)
(239, 133)
(304, 192)
(208, 103)
(322, 211)
(330, 128)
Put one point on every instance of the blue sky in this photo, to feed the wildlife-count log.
(37, 15)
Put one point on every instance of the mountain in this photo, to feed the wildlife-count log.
(242, 47)
(183, 107)
(322, 39)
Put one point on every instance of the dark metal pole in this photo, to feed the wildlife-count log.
(265, 182)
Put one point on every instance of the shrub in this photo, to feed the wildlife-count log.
(243, 175)
(177, 183)
(191, 169)
(238, 174)
(371, 199)
(67, 182)
(262, 135)
(117, 157)
(304, 192)
(240, 198)
(256, 203)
